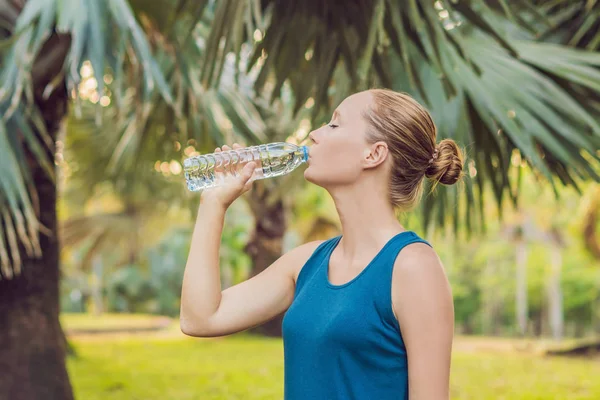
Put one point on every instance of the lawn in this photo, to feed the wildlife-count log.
(75, 322)
(251, 368)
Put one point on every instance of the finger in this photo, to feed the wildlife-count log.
(218, 169)
(247, 171)
(237, 168)
(226, 163)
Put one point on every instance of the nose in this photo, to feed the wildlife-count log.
(311, 136)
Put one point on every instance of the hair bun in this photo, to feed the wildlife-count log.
(446, 166)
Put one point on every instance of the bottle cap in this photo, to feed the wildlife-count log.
(305, 152)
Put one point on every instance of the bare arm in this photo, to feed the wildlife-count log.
(423, 304)
(206, 310)
(201, 288)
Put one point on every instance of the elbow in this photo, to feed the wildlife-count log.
(186, 329)
(190, 329)
(196, 330)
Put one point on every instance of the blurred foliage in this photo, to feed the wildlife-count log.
(481, 269)
(153, 283)
(478, 66)
(513, 83)
(574, 22)
(182, 71)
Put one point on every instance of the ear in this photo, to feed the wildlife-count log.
(375, 154)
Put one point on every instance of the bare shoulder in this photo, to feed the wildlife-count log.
(418, 260)
(423, 306)
(300, 255)
(419, 281)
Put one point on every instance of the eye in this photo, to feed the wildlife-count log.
(333, 126)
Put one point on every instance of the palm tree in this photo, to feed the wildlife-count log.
(46, 46)
(101, 217)
(556, 243)
(476, 64)
(135, 217)
(521, 234)
(591, 218)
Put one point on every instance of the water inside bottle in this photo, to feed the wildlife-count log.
(275, 159)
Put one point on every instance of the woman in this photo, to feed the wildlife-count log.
(369, 314)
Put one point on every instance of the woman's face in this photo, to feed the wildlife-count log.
(339, 148)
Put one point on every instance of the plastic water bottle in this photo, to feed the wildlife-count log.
(273, 159)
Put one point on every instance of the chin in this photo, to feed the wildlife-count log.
(309, 176)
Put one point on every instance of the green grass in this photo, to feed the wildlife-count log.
(178, 368)
(250, 368)
(109, 322)
(523, 376)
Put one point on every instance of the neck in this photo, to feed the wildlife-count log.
(368, 219)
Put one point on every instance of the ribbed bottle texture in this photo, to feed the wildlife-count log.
(273, 159)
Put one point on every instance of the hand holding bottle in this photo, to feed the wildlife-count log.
(270, 160)
(229, 190)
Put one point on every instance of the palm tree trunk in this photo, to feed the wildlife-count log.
(488, 318)
(521, 290)
(592, 215)
(555, 300)
(32, 354)
(33, 345)
(97, 285)
(266, 244)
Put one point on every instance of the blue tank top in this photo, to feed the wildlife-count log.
(344, 341)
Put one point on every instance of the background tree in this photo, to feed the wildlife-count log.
(477, 65)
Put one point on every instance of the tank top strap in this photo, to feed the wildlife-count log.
(392, 250)
(314, 262)
(401, 241)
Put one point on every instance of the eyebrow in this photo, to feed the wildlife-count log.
(336, 113)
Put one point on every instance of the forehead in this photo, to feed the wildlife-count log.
(353, 106)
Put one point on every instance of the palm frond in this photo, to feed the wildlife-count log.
(510, 101)
(513, 112)
(575, 23)
(35, 63)
(18, 215)
(206, 116)
(304, 41)
(116, 233)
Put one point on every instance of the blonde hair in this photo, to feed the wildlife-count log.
(410, 133)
